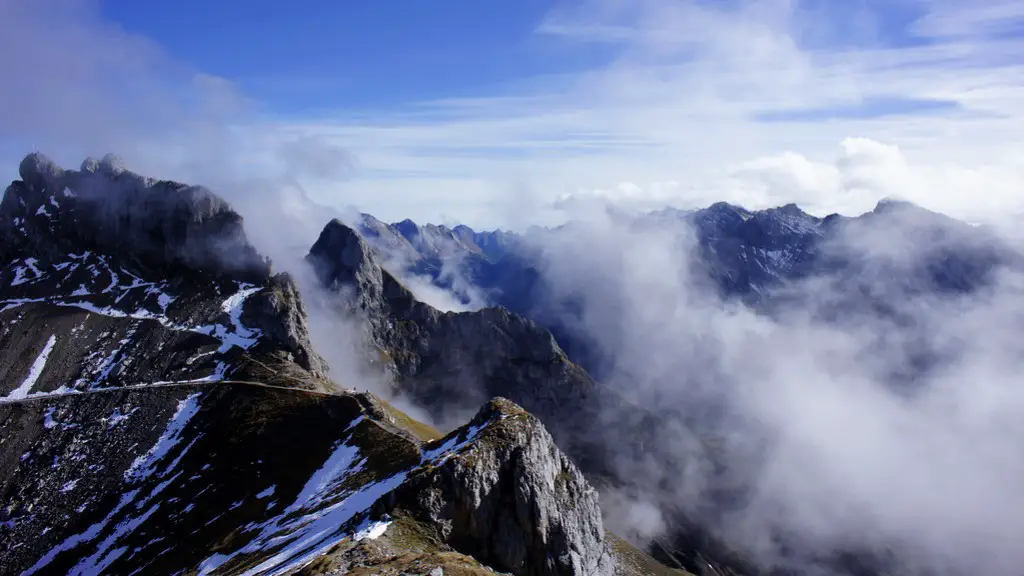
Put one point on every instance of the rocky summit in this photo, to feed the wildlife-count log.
(163, 411)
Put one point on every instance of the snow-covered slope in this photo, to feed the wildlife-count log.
(247, 479)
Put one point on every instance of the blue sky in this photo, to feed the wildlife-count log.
(488, 112)
(317, 55)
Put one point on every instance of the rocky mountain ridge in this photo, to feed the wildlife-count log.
(163, 411)
(450, 361)
(760, 258)
(745, 252)
(445, 361)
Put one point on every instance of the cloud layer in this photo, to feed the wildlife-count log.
(843, 436)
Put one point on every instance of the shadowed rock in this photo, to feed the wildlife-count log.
(510, 498)
(107, 208)
(153, 422)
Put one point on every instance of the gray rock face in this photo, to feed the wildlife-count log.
(279, 313)
(107, 208)
(507, 496)
(96, 310)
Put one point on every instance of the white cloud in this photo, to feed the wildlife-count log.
(836, 453)
(680, 101)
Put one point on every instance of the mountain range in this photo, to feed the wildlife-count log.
(164, 409)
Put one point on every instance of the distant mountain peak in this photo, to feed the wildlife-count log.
(341, 257)
(889, 202)
(110, 164)
(790, 208)
(407, 228)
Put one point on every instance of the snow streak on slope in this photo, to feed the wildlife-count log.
(319, 517)
(34, 372)
(143, 469)
(236, 335)
(122, 297)
(315, 520)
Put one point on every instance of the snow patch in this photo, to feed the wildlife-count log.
(31, 263)
(454, 444)
(144, 465)
(19, 276)
(111, 361)
(240, 336)
(164, 300)
(117, 417)
(50, 422)
(34, 372)
(314, 522)
(371, 530)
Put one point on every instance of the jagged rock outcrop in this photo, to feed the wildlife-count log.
(872, 263)
(112, 279)
(509, 497)
(106, 208)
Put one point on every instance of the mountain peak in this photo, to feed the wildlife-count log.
(892, 202)
(407, 228)
(110, 209)
(790, 208)
(340, 256)
(37, 169)
(558, 529)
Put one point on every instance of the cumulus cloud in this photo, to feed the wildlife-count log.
(866, 171)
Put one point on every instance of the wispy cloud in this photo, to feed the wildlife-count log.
(695, 89)
(750, 102)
